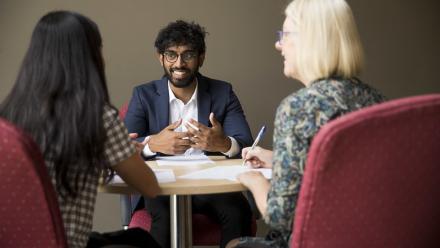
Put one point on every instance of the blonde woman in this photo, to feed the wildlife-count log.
(322, 49)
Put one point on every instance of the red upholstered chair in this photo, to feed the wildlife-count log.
(123, 111)
(372, 179)
(126, 208)
(29, 213)
(205, 230)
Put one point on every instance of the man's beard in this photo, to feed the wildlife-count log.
(181, 83)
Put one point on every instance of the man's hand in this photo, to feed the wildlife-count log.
(139, 145)
(170, 142)
(208, 139)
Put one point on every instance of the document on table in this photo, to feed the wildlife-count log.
(162, 175)
(183, 160)
(225, 172)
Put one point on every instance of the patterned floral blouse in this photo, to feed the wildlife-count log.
(298, 119)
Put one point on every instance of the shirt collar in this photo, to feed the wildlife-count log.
(173, 97)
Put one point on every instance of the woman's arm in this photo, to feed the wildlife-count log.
(259, 186)
(289, 154)
(138, 175)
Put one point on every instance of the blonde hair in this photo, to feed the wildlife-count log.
(328, 40)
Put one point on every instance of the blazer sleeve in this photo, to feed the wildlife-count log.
(136, 117)
(234, 122)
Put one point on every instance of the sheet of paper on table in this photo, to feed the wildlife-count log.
(225, 172)
(183, 160)
(162, 175)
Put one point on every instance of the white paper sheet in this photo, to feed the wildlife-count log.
(225, 172)
(183, 157)
(162, 175)
(183, 160)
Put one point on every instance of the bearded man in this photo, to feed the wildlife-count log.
(187, 113)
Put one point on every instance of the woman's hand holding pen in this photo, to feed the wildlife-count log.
(257, 157)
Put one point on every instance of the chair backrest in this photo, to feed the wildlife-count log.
(372, 179)
(123, 110)
(126, 205)
(29, 213)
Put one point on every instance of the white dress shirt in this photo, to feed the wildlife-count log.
(186, 112)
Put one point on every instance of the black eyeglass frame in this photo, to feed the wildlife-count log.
(186, 56)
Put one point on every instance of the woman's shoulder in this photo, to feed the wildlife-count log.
(328, 87)
(295, 99)
(340, 88)
(109, 110)
(324, 95)
(109, 115)
(308, 98)
(318, 89)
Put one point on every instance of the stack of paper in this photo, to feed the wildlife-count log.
(225, 172)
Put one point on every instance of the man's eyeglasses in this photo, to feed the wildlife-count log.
(282, 34)
(187, 56)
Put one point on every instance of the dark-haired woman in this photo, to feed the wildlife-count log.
(60, 98)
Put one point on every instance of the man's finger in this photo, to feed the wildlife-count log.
(133, 135)
(184, 142)
(194, 139)
(182, 135)
(179, 151)
(139, 148)
(213, 120)
(191, 129)
(197, 146)
(197, 125)
(174, 125)
(182, 148)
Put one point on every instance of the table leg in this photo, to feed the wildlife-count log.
(181, 217)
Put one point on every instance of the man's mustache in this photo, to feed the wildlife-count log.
(179, 69)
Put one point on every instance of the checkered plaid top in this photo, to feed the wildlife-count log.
(77, 212)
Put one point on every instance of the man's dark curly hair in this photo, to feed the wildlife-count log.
(181, 33)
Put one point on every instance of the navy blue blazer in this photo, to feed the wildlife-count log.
(148, 111)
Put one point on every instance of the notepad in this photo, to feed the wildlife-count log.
(182, 160)
(225, 172)
(162, 175)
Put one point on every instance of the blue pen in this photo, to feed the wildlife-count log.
(259, 136)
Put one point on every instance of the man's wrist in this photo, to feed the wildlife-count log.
(150, 143)
(234, 148)
(147, 151)
(226, 145)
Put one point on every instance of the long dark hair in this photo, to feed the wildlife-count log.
(59, 97)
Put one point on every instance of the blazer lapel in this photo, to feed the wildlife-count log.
(162, 101)
(204, 101)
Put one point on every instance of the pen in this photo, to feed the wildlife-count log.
(259, 136)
